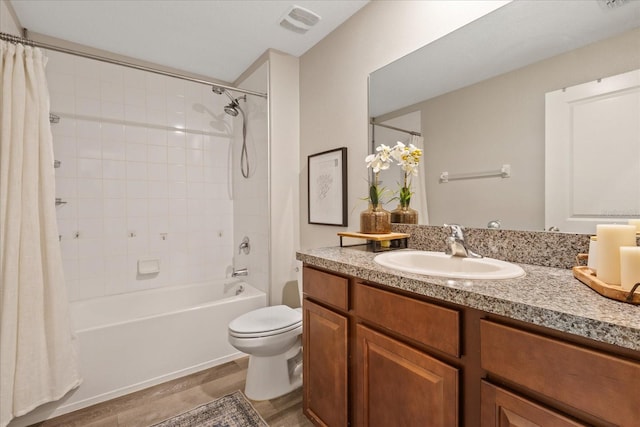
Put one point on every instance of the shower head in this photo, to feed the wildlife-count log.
(220, 91)
(232, 109)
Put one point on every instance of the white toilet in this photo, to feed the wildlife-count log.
(272, 336)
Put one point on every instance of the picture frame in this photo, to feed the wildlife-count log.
(327, 187)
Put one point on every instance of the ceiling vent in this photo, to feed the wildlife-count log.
(299, 20)
(613, 3)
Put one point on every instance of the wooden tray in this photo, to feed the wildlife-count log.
(378, 242)
(588, 277)
(376, 237)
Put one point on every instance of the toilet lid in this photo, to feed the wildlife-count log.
(266, 321)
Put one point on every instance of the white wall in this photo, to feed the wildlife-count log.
(8, 21)
(333, 86)
(271, 260)
(145, 174)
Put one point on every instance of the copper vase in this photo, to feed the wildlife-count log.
(404, 215)
(375, 220)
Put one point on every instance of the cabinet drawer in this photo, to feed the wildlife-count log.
(435, 326)
(326, 287)
(574, 375)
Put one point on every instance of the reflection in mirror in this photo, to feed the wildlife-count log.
(478, 98)
(391, 179)
(592, 152)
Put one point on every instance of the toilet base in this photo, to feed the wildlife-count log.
(269, 377)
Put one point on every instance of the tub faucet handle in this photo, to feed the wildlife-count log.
(244, 246)
(494, 224)
(456, 231)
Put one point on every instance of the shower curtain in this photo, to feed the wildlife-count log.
(419, 198)
(38, 359)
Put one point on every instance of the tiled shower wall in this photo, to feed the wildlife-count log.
(145, 174)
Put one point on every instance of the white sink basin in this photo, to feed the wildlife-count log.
(440, 264)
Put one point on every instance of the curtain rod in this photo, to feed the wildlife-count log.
(410, 132)
(15, 39)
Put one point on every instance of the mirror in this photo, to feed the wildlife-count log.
(477, 96)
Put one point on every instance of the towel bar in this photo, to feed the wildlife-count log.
(504, 172)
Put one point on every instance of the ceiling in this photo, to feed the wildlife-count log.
(215, 38)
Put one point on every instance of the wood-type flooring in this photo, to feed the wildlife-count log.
(157, 403)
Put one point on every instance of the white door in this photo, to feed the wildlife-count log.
(592, 154)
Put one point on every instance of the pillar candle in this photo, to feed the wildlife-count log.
(635, 222)
(592, 262)
(629, 266)
(610, 238)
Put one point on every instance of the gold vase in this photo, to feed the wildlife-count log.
(375, 220)
(404, 215)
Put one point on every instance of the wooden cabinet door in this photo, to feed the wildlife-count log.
(501, 408)
(325, 398)
(398, 385)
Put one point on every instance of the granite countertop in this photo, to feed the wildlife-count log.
(545, 296)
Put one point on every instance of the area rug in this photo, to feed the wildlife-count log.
(232, 410)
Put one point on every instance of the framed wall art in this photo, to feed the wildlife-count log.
(327, 187)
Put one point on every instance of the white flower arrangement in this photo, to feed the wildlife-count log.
(378, 162)
(407, 157)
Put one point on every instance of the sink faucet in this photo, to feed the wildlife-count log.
(455, 243)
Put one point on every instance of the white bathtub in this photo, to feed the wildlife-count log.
(132, 341)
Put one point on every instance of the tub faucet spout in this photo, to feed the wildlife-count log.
(456, 245)
(240, 272)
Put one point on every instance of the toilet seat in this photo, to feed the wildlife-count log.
(266, 321)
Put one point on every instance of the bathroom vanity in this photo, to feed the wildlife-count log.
(386, 348)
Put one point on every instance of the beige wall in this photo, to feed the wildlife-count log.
(284, 130)
(8, 20)
(333, 87)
